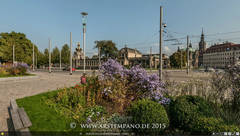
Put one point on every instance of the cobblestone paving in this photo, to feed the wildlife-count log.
(14, 89)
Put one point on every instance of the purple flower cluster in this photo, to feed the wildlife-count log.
(137, 79)
(142, 80)
(111, 69)
(21, 64)
(89, 120)
(157, 96)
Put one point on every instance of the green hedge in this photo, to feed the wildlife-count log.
(148, 112)
(185, 109)
(208, 125)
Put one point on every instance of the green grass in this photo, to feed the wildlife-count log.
(4, 76)
(41, 115)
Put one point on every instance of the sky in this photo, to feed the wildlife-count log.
(134, 23)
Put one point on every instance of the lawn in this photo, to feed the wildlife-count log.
(41, 115)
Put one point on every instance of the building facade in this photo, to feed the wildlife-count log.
(130, 57)
(127, 57)
(221, 55)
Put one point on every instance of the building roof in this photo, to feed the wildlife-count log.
(223, 47)
(130, 50)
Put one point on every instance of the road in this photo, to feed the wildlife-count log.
(43, 81)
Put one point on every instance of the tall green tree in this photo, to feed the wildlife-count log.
(108, 48)
(55, 55)
(40, 59)
(65, 54)
(23, 47)
(175, 59)
(46, 56)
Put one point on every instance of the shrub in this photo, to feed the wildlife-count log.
(22, 67)
(3, 71)
(208, 125)
(185, 109)
(148, 112)
(229, 128)
(13, 71)
(70, 98)
(18, 69)
(138, 82)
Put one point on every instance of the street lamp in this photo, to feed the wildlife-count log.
(84, 18)
(162, 26)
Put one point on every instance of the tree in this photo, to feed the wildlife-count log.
(23, 47)
(65, 53)
(55, 55)
(175, 59)
(46, 56)
(40, 59)
(108, 48)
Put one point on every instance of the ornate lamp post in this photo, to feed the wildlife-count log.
(84, 18)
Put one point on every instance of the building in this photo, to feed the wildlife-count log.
(221, 55)
(78, 61)
(195, 57)
(202, 49)
(130, 57)
(127, 57)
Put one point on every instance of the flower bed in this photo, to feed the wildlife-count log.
(126, 96)
(18, 69)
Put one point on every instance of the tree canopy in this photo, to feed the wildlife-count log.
(65, 54)
(23, 47)
(108, 48)
(175, 59)
(55, 55)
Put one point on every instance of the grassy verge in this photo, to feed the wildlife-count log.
(41, 115)
(4, 76)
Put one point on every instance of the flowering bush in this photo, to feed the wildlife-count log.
(139, 84)
(111, 69)
(16, 69)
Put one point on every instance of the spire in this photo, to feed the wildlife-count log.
(178, 49)
(202, 36)
(190, 45)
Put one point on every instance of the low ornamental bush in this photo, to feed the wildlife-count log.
(139, 83)
(18, 69)
(210, 125)
(148, 112)
(185, 109)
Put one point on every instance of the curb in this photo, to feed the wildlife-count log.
(17, 78)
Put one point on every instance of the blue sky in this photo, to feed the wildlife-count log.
(131, 22)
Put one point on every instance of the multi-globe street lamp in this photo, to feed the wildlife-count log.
(84, 19)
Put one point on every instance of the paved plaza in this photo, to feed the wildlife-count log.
(19, 88)
(14, 88)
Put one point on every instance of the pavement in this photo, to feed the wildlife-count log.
(14, 88)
